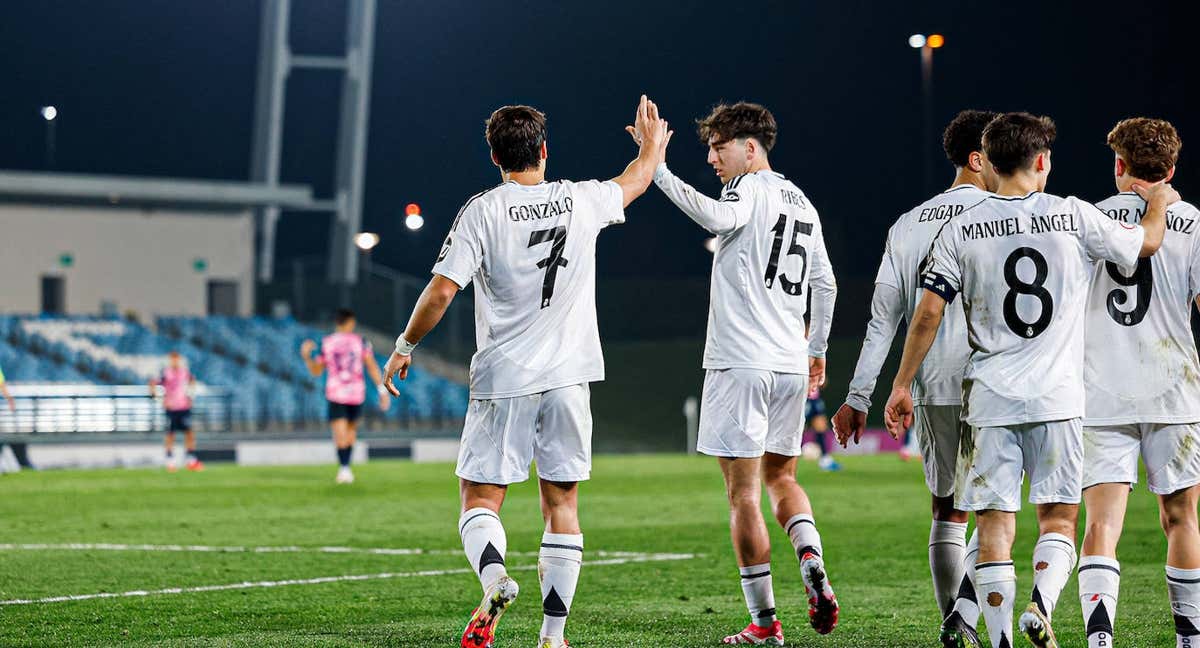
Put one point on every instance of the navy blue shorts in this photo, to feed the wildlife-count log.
(179, 420)
(814, 407)
(344, 411)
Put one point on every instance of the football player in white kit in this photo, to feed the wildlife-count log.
(529, 246)
(1023, 261)
(1143, 390)
(770, 256)
(937, 390)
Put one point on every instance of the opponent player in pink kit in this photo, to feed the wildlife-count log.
(176, 379)
(344, 353)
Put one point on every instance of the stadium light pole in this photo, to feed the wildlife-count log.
(49, 115)
(925, 46)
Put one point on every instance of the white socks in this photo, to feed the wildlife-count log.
(484, 543)
(803, 532)
(1099, 583)
(996, 587)
(947, 544)
(966, 605)
(559, 561)
(760, 598)
(1053, 562)
(1183, 588)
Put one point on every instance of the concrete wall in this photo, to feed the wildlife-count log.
(141, 260)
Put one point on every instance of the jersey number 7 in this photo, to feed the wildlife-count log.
(789, 287)
(557, 237)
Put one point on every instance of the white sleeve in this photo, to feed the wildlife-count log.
(722, 216)
(823, 291)
(605, 197)
(887, 310)
(887, 267)
(943, 274)
(462, 253)
(1106, 239)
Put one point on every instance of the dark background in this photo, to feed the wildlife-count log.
(167, 89)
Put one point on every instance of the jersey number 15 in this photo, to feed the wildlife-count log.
(789, 287)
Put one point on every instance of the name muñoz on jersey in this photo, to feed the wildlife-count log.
(1140, 363)
(531, 252)
(939, 379)
(1024, 266)
(770, 253)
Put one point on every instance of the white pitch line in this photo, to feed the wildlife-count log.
(381, 551)
(641, 558)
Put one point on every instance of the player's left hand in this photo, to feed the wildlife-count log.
(396, 364)
(898, 413)
(849, 422)
(384, 402)
(816, 373)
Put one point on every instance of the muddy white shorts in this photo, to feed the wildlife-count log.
(746, 412)
(501, 436)
(1171, 453)
(939, 431)
(994, 458)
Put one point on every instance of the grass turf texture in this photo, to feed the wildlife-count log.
(873, 518)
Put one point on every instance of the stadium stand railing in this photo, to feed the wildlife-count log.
(254, 361)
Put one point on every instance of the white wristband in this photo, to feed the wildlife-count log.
(382, 390)
(404, 347)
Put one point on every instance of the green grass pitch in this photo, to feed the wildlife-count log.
(873, 517)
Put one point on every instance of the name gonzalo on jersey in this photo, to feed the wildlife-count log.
(1038, 224)
(540, 210)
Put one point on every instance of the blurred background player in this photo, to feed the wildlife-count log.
(343, 355)
(937, 389)
(530, 248)
(12, 405)
(1149, 407)
(176, 381)
(1023, 383)
(818, 422)
(759, 364)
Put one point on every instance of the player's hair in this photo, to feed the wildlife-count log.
(964, 135)
(739, 121)
(1012, 140)
(516, 134)
(1150, 147)
(342, 315)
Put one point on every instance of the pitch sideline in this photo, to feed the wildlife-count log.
(626, 558)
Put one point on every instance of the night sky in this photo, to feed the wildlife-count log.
(167, 89)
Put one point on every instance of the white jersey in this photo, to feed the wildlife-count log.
(770, 253)
(531, 251)
(1023, 266)
(1140, 364)
(939, 379)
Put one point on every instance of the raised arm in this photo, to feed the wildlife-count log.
(897, 415)
(1158, 198)
(430, 308)
(652, 135)
(716, 216)
(315, 365)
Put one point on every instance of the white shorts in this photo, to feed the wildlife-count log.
(1171, 454)
(501, 436)
(993, 458)
(746, 412)
(939, 431)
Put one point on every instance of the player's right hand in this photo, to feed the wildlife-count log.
(306, 348)
(1162, 192)
(396, 364)
(898, 413)
(849, 422)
